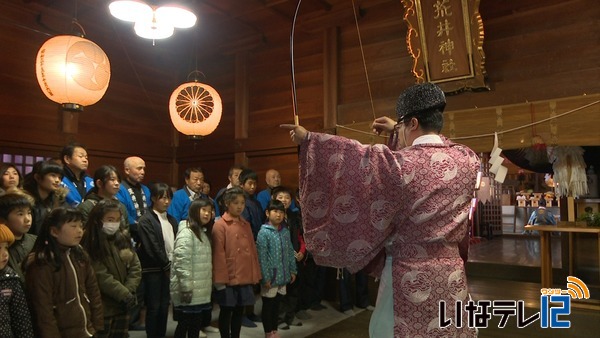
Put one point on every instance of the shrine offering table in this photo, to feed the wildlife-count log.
(546, 250)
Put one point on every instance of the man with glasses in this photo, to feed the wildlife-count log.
(400, 211)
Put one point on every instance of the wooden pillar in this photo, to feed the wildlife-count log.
(70, 121)
(241, 104)
(174, 164)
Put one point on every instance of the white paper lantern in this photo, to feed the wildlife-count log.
(195, 109)
(72, 70)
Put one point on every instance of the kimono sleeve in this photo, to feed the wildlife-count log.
(350, 193)
(532, 218)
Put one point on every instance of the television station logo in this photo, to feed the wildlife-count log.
(555, 306)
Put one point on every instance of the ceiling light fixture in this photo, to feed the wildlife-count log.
(152, 22)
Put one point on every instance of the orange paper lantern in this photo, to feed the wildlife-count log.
(72, 71)
(195, 109)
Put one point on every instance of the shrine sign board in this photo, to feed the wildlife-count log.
(445, 40)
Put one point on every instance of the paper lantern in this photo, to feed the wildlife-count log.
(195, 109)
(72, 71)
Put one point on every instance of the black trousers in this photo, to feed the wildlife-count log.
(270, 312)
(230, 321)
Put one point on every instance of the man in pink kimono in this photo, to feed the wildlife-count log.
(399, 210)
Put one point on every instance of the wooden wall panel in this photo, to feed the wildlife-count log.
(572, 129)
(285, 163)
(215, 171)
(535, 51)
(128, 122)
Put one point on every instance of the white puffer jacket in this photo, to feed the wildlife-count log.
(191, 269)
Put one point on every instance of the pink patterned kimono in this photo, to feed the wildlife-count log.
(361, 203)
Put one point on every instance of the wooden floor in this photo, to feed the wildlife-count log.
(504, 268)
(584, 324)
(507, 268)
(584, 319)
(518, 250)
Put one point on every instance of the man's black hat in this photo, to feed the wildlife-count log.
(420, 98)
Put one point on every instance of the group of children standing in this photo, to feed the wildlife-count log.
(80, 274)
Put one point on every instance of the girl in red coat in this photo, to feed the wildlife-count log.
(235, 263)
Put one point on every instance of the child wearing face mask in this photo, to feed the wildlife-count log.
(61, 284)
(117, 267)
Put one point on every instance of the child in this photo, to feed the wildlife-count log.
(118, 278)
(157, 231)
(235, 263)
(292, 305)
(277, 264)
(60, 280)
(15, 212)
(106, 186)
(191, 271)
(254, 214)
(16, 320)
(252, 211)
(44, 184)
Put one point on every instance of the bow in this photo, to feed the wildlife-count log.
(292, 68)
(293, 71)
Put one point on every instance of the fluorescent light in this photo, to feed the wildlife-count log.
(153, 30)
(131, 11)
(152, 22)
(176, 16)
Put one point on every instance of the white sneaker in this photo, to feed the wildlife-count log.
(202, 334)
(211, 329)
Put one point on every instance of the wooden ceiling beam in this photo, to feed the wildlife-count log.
(271, 3)
(233, 17)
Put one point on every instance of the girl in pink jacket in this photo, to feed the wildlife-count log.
(235, 263)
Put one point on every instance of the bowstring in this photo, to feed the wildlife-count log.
(362, 52)
(293, 68)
